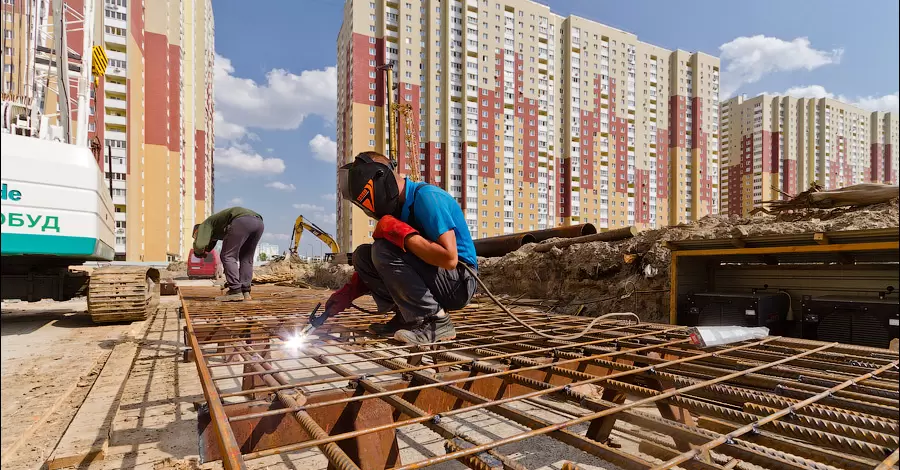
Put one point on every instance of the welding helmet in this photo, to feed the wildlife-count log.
(370, 185)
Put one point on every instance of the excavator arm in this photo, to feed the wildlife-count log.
(300, 224)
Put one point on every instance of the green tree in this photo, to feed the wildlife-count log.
(262, 256)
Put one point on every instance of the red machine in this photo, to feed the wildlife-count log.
(209, 267)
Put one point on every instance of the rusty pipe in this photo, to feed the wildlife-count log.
(569, 231)
(499, 246)
(609, 236)
(503, 244)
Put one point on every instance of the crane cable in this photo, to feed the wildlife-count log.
(518, 320)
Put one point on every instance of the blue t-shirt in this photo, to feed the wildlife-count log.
(435, 212)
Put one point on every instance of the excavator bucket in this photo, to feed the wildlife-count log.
(123, 293)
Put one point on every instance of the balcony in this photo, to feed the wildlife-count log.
(114, 39)
(115, 87)
(119, 200)
(115, 103)
(115, 120)
(115, 135)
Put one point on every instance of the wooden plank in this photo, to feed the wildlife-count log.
(794, 249)
(87, 437)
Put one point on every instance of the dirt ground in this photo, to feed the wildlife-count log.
(52, 353)
(633, 275)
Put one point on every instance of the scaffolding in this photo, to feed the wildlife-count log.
(774, 402)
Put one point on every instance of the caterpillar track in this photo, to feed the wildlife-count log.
(122, 293)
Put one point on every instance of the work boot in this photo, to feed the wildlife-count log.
(231, 296)
(431, 330)
(390, 327)
(247, 296)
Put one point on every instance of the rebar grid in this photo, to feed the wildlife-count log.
(775, 402)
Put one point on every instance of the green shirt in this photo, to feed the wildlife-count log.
(214, 227)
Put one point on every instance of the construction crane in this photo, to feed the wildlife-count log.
(301, 224)
(396, 111)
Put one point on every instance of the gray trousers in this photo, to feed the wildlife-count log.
(238, 248)
(418, 289)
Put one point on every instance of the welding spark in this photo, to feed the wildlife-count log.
(295, 342)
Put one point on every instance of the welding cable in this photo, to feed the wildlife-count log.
(541, 333)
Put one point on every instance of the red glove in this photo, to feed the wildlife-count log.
(393, 230)
(341, 299)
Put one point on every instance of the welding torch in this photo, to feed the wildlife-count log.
(314, 321)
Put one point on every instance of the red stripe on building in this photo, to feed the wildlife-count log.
(662, 164)
(136, 22)
(156, 91)
(436, 165)
(366, 51)
(889, 165)
(174, 134)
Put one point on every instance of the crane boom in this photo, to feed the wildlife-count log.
(395, 111)
(301, 224)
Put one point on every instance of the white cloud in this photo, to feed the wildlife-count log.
(880, 103)
(323, 148)
(747, 59)
(317, 215)
(281, 186)
(242, 157)
(227, 131)
(870, 103)
(282, 102)
(330, 197)
(275, 237)
(236, 201)
(309, 207)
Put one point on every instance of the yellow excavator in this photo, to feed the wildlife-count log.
(299, 225)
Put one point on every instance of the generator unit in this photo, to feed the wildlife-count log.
(863, 321)
(767, 309)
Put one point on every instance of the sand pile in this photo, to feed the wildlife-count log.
(177, 266)
(292, 270)
(601, 275)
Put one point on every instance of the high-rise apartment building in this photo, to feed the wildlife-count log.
(153, 113)
(530, 119)
(781, 144)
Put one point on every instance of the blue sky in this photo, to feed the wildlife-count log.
(276, 86)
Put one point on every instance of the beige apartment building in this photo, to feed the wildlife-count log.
(529, 119)
(781, 144)
(153, 110)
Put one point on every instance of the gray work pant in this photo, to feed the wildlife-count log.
(238, 248)
(418, 289)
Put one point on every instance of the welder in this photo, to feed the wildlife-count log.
(417, 264)
(240, 230)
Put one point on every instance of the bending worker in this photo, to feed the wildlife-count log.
(240, 230)
(416, 266)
